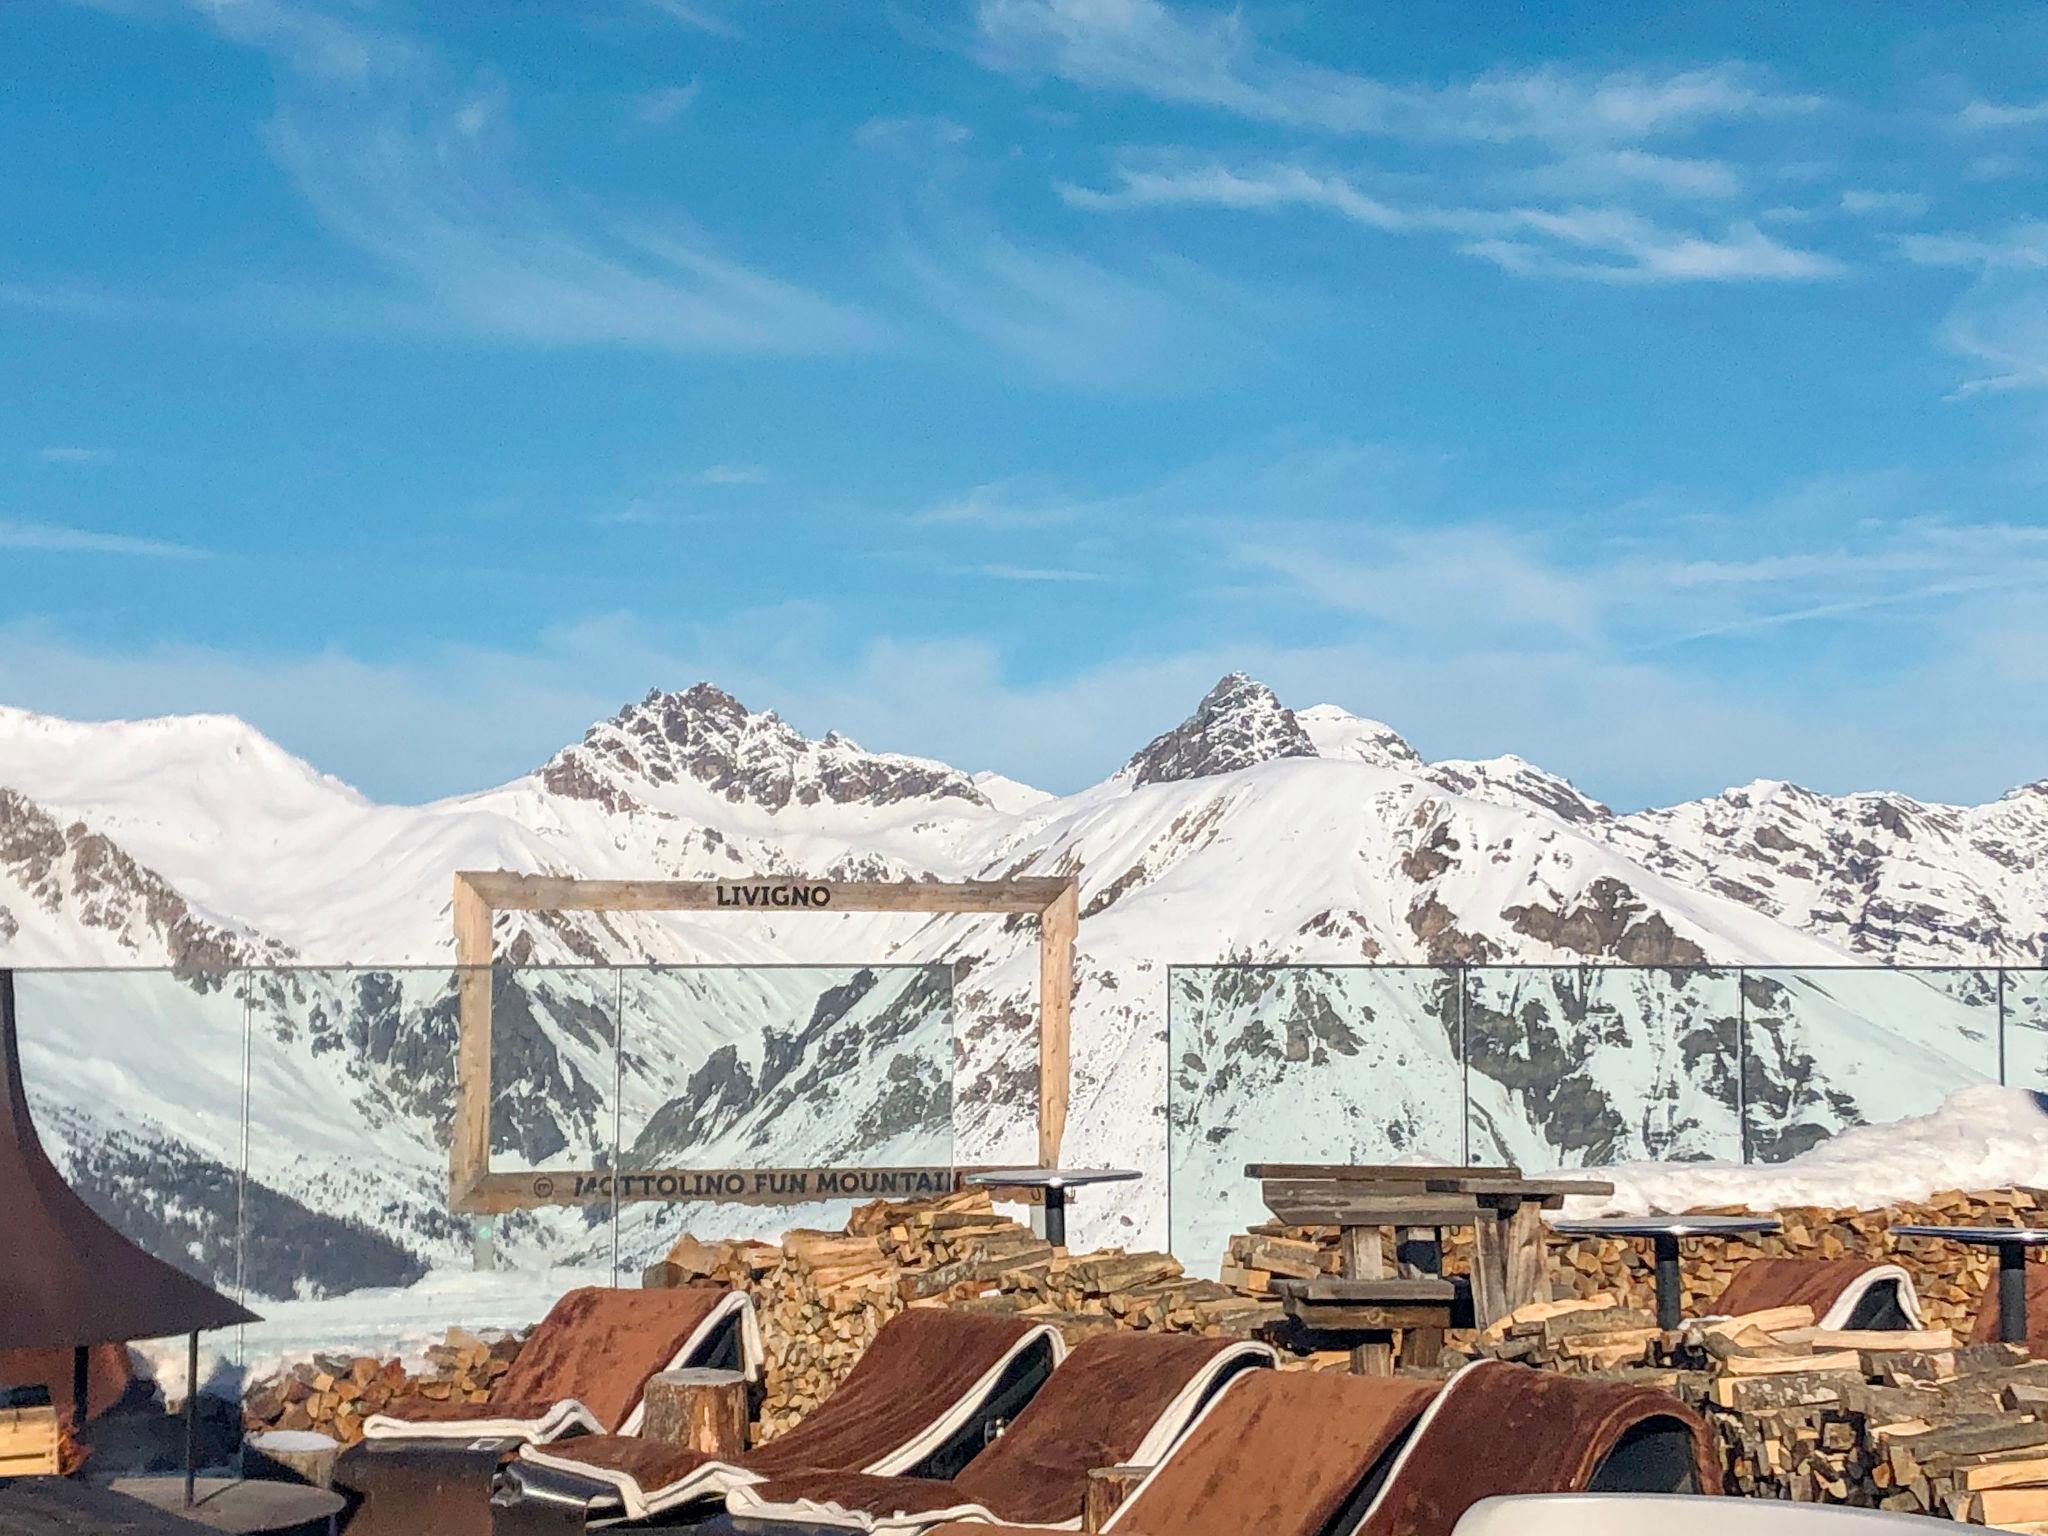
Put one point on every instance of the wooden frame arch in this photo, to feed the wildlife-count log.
(479, 896)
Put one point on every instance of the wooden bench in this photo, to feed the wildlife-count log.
(1374, 1318)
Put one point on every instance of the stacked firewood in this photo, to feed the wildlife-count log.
(1595, 1334)
(1960, 1432)
(1951, 1278)
(822, 1296)
(1909, 1421)
(335, 1393)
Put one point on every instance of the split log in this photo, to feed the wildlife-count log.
(1108, 1488)
(703, 1410)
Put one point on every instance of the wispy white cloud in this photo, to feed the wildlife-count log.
(1606, 244)
(1008, 505)
(732, 474)
(917, 131)
(415, 176)
(1066, 317)
(1999, 114)
(1498, 584)
(1864, 201)
(1628, 248)
(704, 18)
(1616, 172)
(1214, 59)
(1053, 574)
(61, 299)
(654, 108)
(61, 539)
(73, 455)
(2023, 246)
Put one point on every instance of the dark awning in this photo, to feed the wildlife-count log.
(66, 1277)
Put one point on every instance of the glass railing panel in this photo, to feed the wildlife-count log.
(2026, 1029)
(351, 1241)
(758, 1098)
(1829, 1048)
(136, 1080)
(1312, 1064)
(1574, 1066)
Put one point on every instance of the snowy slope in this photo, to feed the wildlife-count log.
(1250, 832)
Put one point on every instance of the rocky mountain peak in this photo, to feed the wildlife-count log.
(1239, 723)
(705, 735)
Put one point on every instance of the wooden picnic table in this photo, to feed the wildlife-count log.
(1510, 1265)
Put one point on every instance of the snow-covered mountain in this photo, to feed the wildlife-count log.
(297, 1117)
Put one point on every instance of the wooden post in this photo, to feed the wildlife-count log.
(469, 1136)
(1057, 926)
(1489, 1267)
(1108, 1487)
(702, 1410)
(1419, 1255)
(1525, 1268)
(1359, 1258)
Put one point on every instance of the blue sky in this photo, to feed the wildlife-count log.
(1658, 397)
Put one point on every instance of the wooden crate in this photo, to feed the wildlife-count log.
(28, 1441)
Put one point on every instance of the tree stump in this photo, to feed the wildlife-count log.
(1108, 1487)
(291, 1456)
(701, 1409)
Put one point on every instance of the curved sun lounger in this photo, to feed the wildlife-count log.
(430, 1466)
(1500, 1428)
(1282, 1453)
(1118, 1399)
(924, 1398)
(1291, 1454)
(585, 1368)
(1845, 1294)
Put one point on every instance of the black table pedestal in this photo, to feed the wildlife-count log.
(1056, 1216)
(2012, 1293)
(1669, 1312)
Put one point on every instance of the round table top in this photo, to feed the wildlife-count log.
(1051, 1178)
(1669, 1226)
(245, 1506)
(2024, 1237)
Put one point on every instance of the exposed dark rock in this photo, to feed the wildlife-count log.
(1610, 921)
(1238, 724)
(707, 735)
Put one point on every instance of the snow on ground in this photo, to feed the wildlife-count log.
(1985, 1137)
(383, 1321)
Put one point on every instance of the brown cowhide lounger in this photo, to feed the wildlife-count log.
(1500, 1428)
(585, 1367)
(1279, 1453)
(1844, 1293)
(1119, 1398)
(1289, 1454)
(929, 1376)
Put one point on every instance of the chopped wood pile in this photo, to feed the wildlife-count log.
(333, 1394)
(822, 1296)
(1950, 1277)
(1910, 1422)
